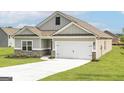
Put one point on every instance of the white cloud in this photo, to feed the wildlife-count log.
(22, 25)
(20, 18)
(9, 17)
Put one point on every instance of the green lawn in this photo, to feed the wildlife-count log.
(13, 61)
(109, 67)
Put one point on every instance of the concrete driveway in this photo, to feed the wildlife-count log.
(36, 71)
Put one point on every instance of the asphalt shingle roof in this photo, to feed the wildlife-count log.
(9, 31)
(38, 32)
(83, 24)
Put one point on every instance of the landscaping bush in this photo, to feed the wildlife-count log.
(16, 56)
(20, 56)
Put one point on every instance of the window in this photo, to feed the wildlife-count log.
(94, 45)
(27, 45)
(24, 45)
(57, 20)
(104, 44)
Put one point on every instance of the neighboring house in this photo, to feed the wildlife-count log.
(62, 36)
(115, 38)
(6, 39)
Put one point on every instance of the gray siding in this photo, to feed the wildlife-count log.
(50, 25)
(73, 30)
(3, 39)
(36, 42)
(45, 43)
(25, 32)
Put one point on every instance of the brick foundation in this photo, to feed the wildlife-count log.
(53, 54)
(93, 55)
(33, 53)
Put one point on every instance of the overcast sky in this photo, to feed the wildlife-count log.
(113, 21)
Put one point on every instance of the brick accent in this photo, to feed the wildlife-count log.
(33, 53)
(93, 55)
(53, 53)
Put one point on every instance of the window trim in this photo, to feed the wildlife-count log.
(26, 45)
(56, 20)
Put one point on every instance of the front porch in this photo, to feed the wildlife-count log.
(38, 48)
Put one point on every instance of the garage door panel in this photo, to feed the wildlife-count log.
(63, 52)
(71, 49)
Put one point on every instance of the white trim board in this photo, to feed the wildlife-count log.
(17, 48)
(26, 37)
(74, 37)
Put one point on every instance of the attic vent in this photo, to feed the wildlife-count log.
(57, 20)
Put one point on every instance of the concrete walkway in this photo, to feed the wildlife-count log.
(36, 71)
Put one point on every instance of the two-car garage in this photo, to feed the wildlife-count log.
(73, 49)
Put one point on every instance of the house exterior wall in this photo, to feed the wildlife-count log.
(45, 43)
(36, 43)
(3, 39)
(100, 50)
(50, 25)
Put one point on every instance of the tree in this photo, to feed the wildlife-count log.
(122, 37)
(123, 31)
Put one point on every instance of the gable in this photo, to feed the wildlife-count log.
(51, 25)
(25, 32)
(72, 29)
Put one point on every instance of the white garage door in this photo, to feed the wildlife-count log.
(73, 49)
